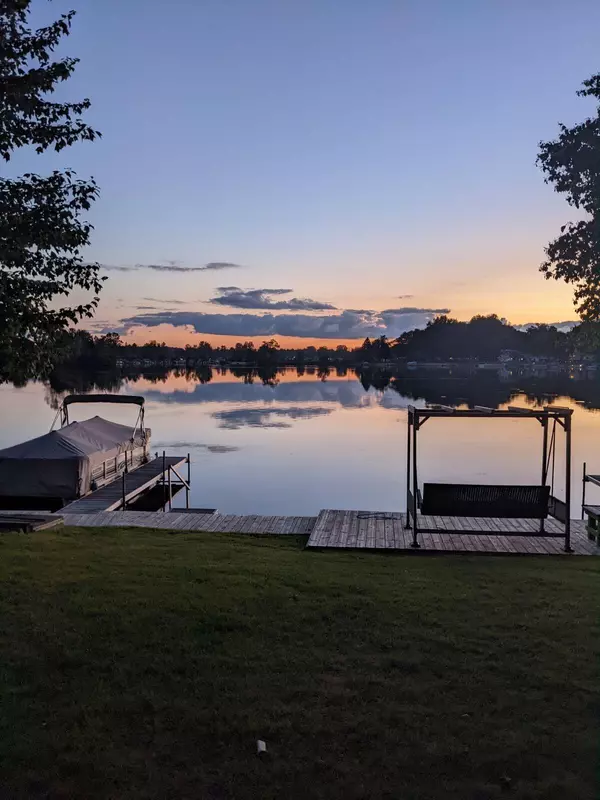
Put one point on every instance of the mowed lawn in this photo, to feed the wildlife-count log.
(143, 664)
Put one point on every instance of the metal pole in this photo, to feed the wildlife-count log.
(545, 451)
(415, 543)
(544, 461)
(163, 482)
(568, 548)
(408, 509)
(124, 493)
(583, 490)
(170, 492)
(187, 488)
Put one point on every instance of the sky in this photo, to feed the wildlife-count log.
(318, 170)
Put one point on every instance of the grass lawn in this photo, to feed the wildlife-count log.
(142, 664)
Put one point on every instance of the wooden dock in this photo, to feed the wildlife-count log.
(28, 523)
(188, 521)
(110, 496)
(368, 530)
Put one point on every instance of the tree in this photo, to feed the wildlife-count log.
(545, 340)
(244, 353)
(572, 164)
(310, 353)
(41, 235)
(366, 350)
(381, 349)
(267, 352)
(324, 355)
(109, 340)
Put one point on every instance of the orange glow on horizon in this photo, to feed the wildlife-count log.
(179, 337)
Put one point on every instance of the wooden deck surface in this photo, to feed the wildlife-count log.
(385, 531)
(350, 530)
(110, 497)
(186, 521)
(25, 522)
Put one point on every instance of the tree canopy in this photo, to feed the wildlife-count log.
(482, 339)
(572, 164)
(41, 234)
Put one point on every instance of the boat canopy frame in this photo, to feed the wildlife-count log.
(138, 400)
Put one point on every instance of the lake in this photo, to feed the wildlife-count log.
(294, 443)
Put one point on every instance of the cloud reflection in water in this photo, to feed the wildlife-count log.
(236, 418)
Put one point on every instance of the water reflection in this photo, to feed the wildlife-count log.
(348, 388)
(295, 441)
(266, 417)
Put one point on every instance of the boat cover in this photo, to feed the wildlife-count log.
(60, 463)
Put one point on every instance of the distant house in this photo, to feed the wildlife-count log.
(513, 356)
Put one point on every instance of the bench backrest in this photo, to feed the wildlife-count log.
(480, 500)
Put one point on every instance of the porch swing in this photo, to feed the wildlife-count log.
(500, 501)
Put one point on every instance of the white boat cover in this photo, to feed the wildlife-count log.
(60, 463)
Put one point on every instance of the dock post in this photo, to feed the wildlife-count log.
(189, 480)
(415, 510)
(583, 491)
(163, 482)
(124, 492)
(170, 492)
(544, 460)
(568, 548)
(408, 503)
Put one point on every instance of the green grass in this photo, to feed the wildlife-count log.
(141, 664)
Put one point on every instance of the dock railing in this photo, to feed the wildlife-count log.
(170, 479)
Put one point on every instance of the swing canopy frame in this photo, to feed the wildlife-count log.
(501, 501)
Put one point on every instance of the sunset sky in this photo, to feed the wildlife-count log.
(322, 169)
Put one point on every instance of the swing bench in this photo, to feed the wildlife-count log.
(479, 500)
(529, 502)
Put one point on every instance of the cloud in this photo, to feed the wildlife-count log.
(266, 417)
(172, 266)
(412, 310)
(99, 326)
(563, 327)
(165, 301)
(292, 394)
(349, 324)
(405, 296)
(234, 297)
(216, 449)
(218, 265)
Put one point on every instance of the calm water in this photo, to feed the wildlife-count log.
(302, 443)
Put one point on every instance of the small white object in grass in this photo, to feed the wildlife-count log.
(261, 747)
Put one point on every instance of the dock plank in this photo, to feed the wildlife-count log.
(110, 496)
(346, 529)
(384, 531)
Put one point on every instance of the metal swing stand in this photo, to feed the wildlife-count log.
(592, 512)
(497, 501)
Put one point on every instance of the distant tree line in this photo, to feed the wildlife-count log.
(483, 338)
(449, 387)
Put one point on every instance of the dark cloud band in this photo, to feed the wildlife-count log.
(234, 297)
(172, 266)
(348, 324)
